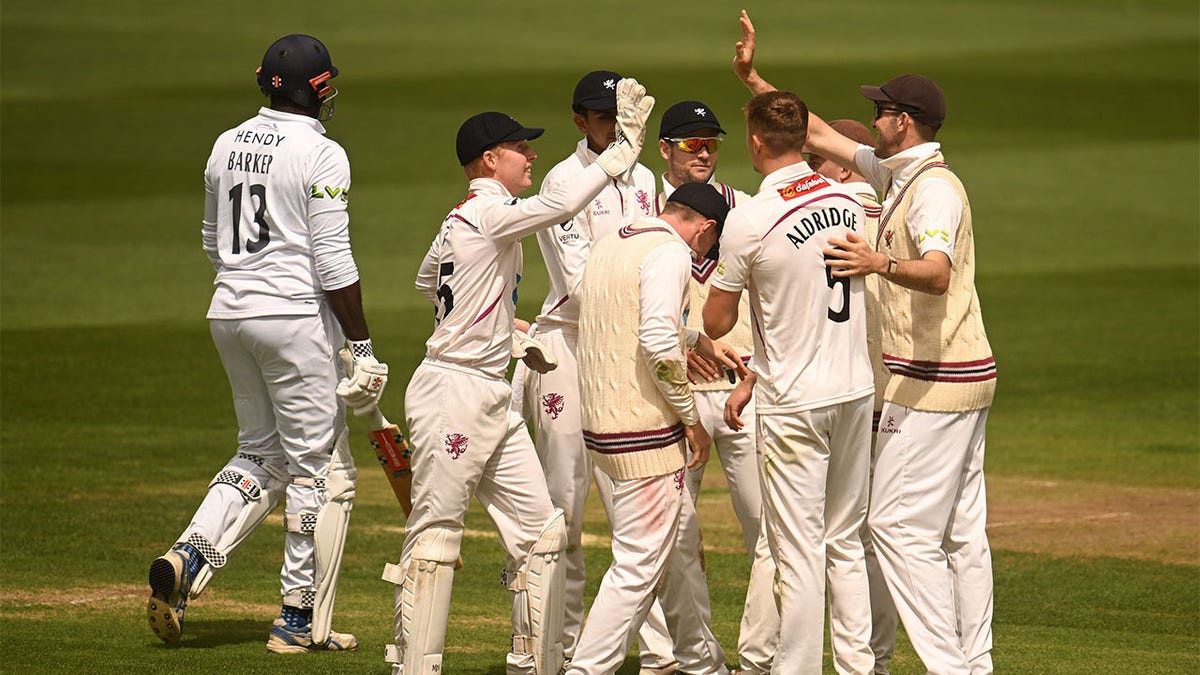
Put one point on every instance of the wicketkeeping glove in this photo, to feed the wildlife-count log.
(532, 352)
(633, 110)
(364, 382)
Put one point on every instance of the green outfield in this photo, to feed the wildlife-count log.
(1073, 124)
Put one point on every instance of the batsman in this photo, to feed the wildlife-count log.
(286, 295)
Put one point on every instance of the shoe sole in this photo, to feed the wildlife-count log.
(160, 610)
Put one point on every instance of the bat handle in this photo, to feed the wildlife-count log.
(378, 421)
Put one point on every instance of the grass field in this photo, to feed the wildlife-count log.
(1073, 123)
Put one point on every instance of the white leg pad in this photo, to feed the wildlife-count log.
(329, 534)
(262, 487)
(541, 587)
(423, 601)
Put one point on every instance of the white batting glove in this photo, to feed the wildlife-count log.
(364, 382)
(633, 110)
(532, 352)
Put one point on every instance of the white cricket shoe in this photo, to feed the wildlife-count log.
(286, 640)
(170, 581)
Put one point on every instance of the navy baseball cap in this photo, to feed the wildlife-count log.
(596, 91)
(686, 117)
(916, 95)
(704, 199)
(487, 130)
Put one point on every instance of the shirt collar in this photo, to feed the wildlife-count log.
(903, 163)
(488, 186)
(585, 153)
(788, 174)
(280, 116)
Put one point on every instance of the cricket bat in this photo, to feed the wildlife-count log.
(391, 449)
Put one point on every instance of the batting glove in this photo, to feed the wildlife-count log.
(364, 382)
(532, 352)
(633, 110)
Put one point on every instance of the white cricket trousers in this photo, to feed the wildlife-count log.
(928, 512)
(651, 554)
(467, 441)
(283, 374)
(552, 403)
(815, 466)
(738, 450)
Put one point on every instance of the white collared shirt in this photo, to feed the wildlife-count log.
(810, 335)
(471, 271)
(566, 246)
(936, 209)
(276, 228)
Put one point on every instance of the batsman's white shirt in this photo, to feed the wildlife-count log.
(275, 222)
(810, 328)
(936, 209)
(566, 246)
(471, 271)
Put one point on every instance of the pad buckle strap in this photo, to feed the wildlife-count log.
(391, 654)
(522, 644)
(244, 483)
(393, 573)
(514, 581)
(210, 553)
(317, 482)
(304, 523)
(303, 598)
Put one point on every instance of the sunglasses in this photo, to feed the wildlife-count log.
(694, 145)
(881, 110)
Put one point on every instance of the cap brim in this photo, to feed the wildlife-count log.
(874, 93)
(688, 128)
(598, 104)
(522, 134)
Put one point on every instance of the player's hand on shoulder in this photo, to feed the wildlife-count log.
(364, 383)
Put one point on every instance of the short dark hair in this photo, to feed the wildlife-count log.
(780, 119)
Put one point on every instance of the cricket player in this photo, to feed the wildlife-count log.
(638, 419)
(466, 438)
(928, 499)
(286, 296)
(883, 611)
(689, 139)
(812, 381)
(552, 400)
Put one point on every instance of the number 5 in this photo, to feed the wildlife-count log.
(842, 315)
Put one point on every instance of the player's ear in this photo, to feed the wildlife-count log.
(581, 123)
(664, 149)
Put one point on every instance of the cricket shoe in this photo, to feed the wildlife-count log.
(287, 639)
(171, 577)
(668, 669)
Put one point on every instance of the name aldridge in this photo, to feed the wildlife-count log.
(814, 222)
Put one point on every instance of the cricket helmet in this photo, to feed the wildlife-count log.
(299, 68)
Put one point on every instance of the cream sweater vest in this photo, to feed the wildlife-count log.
(630, 430)
(934, 345)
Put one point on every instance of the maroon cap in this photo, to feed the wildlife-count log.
(916, 95)
(854, 130)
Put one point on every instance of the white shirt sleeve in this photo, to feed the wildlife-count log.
(934, 216)
(740, 248)
(427, 273)
(208, 229)
(664, 278)
(508, 221)
(871, 168)
(329, 221)
(570, 252)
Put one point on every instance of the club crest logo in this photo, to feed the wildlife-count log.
(679, 481)
(887, 237)
(456, 445)
(552, 403)
(610, 84)
(643, 201)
